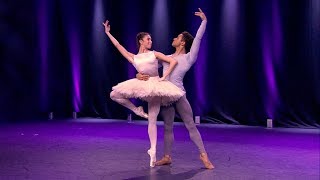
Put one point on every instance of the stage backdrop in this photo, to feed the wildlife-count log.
(258, 59)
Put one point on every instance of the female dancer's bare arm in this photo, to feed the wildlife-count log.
(172, 63)
(121, 49)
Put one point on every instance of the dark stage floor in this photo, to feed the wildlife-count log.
(114, 149)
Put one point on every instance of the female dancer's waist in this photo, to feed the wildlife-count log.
(154, 77)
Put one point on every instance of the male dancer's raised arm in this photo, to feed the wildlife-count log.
(194, 50)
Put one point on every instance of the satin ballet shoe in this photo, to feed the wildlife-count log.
(152, 154)
(139, 111)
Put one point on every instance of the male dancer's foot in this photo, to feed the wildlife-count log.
(166, 160)
(139, 111)
(205, 160)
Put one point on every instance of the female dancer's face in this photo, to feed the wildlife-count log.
(146, 42)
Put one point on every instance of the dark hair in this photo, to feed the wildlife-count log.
(140, 36)
(188, 38)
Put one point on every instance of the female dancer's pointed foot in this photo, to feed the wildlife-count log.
(139, 111)
(166, 160)
(205, 160)
(152, 154)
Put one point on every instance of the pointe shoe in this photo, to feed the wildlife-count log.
(166, 160)
(139, 111)
(205, 160)
(152, 154)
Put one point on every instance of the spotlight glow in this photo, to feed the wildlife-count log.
(230, 16)
(160, 27)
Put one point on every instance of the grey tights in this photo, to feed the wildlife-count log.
(184, 109)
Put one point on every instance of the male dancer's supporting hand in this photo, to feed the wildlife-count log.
(143, 77)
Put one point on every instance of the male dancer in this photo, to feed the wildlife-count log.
(186, 53)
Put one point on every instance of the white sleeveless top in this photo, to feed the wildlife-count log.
(146, 63)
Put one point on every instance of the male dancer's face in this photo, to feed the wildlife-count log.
(177, 41)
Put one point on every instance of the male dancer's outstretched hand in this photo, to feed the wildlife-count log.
(201, 14)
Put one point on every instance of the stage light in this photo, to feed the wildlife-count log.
(160, 25)
(230, 19)
(98, 35)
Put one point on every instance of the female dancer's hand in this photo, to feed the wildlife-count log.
(201, 14)
(106, 26)
(162, 79)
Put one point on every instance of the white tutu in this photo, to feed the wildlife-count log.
(146, 90)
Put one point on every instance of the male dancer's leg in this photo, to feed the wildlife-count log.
(185, 111)
(168, 114)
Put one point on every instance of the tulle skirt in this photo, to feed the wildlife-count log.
(147, 90)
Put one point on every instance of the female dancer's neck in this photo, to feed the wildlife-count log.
(143, 50)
